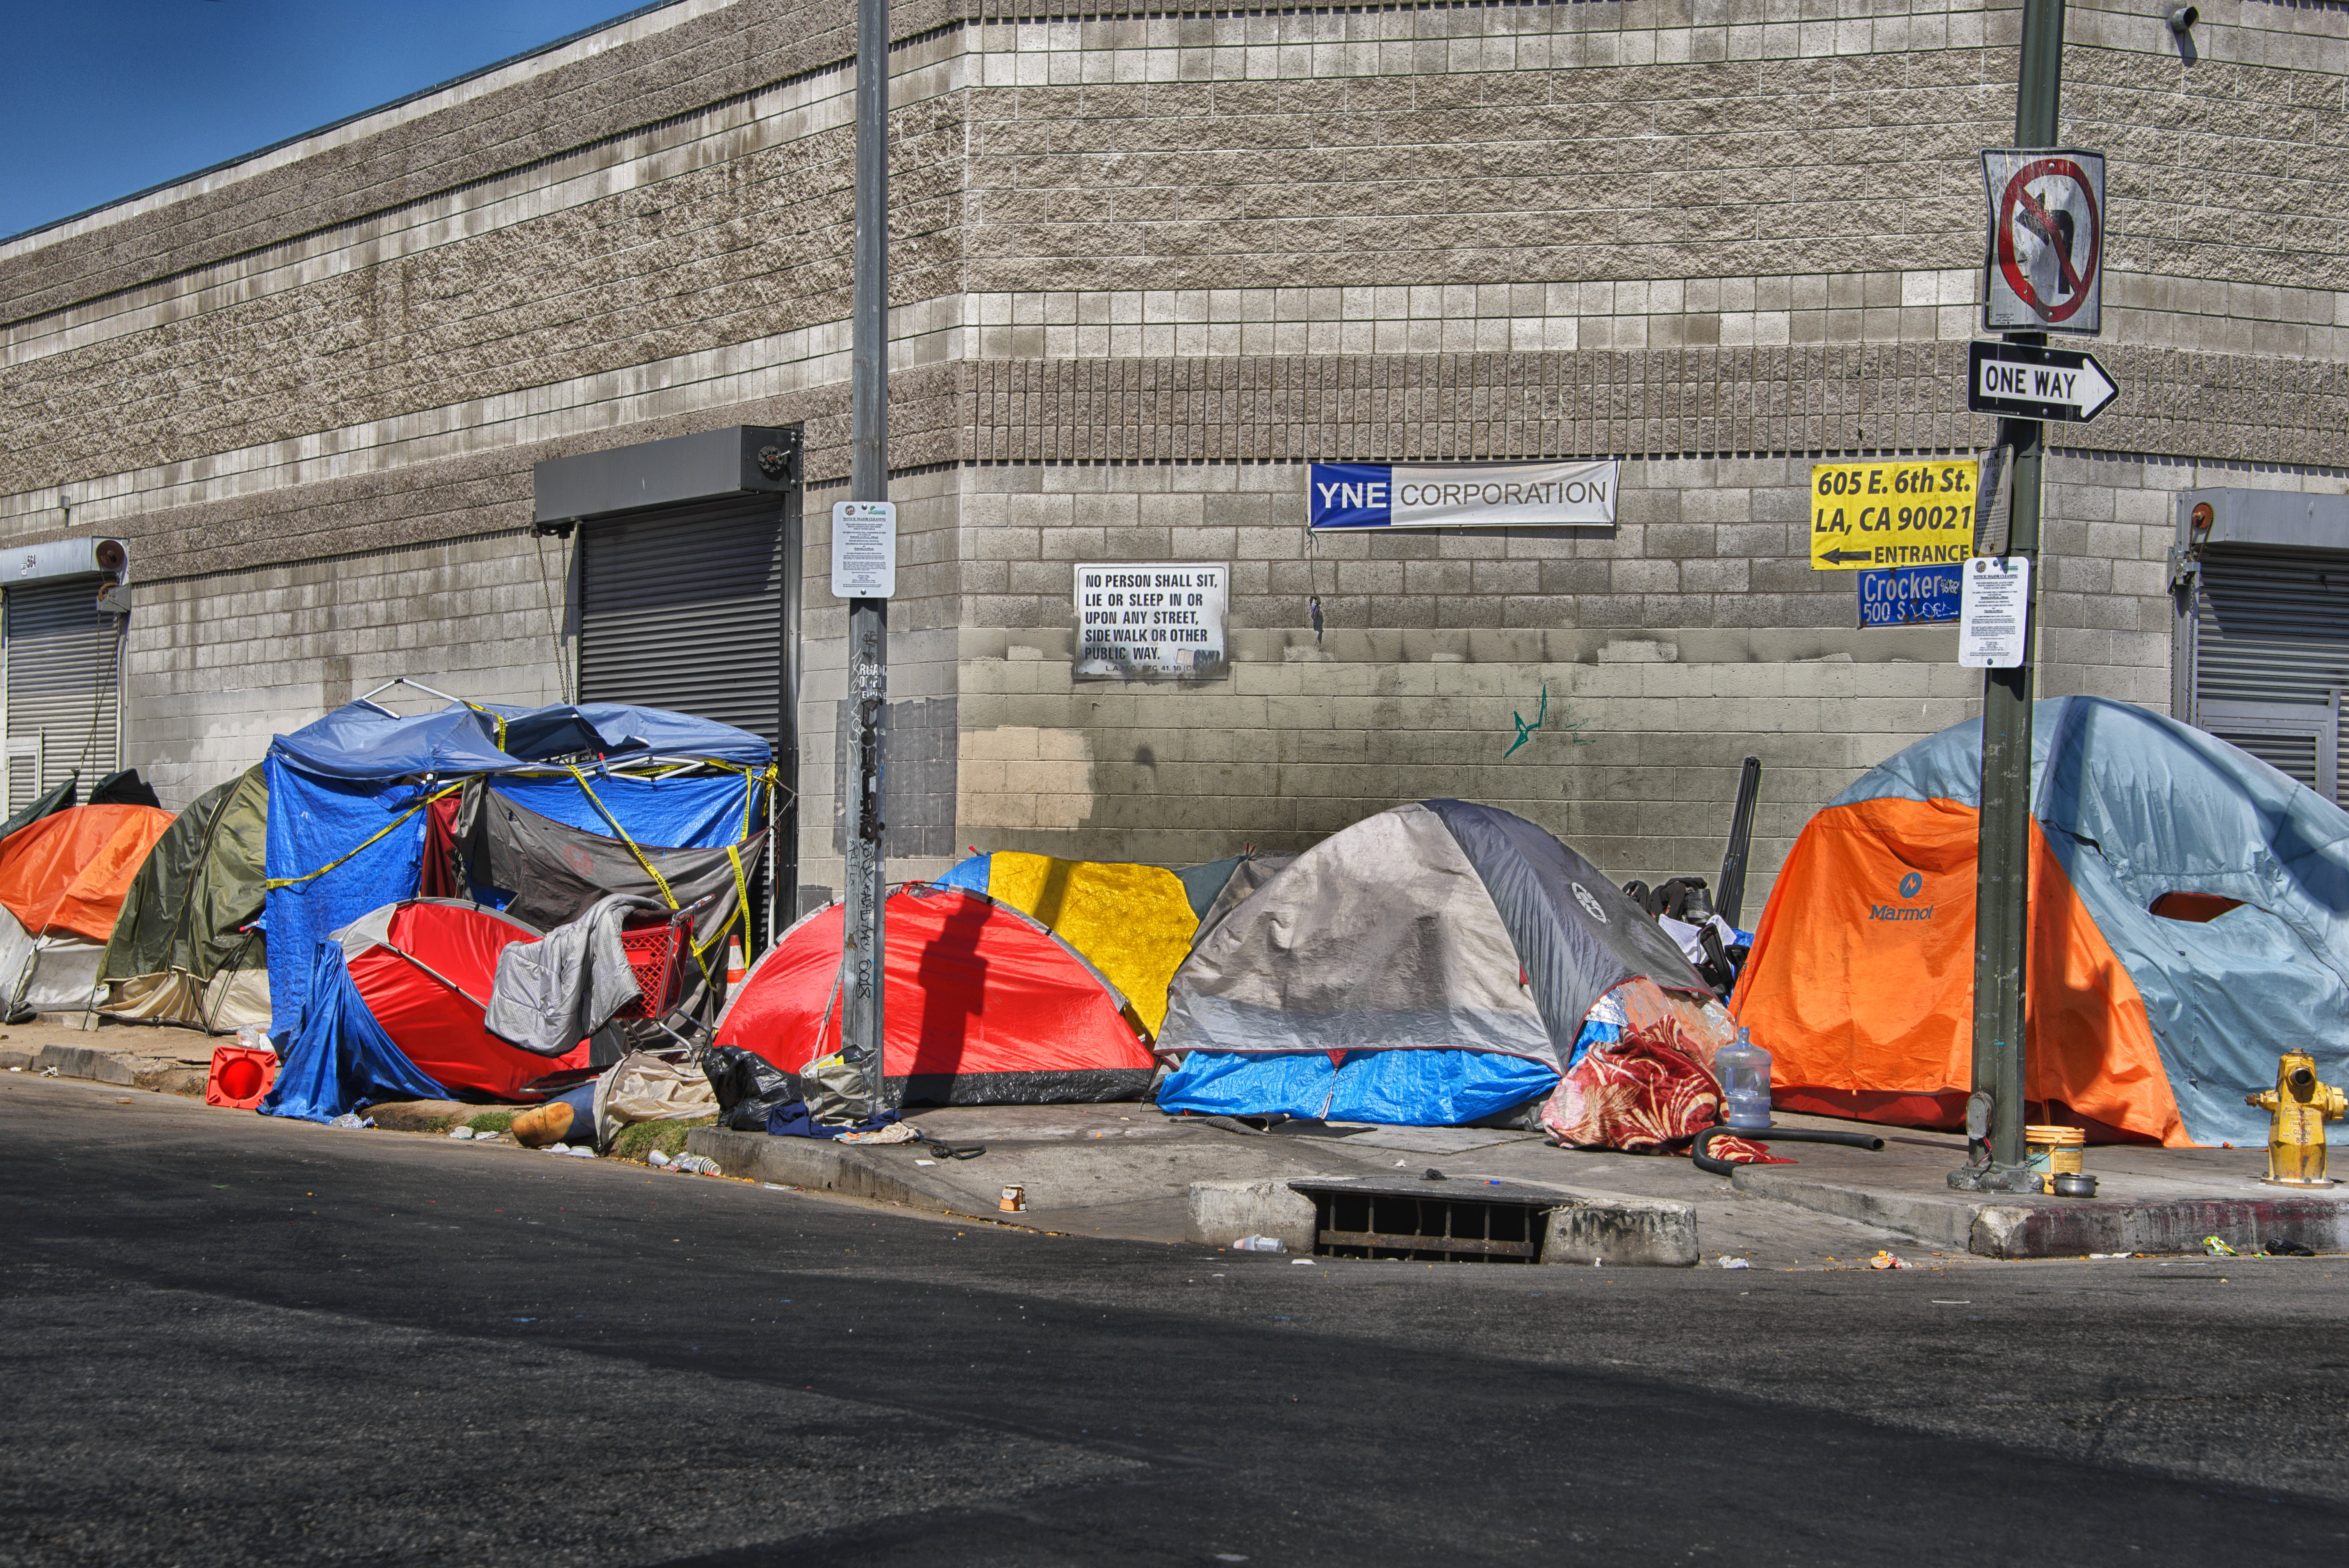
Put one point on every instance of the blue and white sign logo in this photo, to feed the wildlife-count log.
(1464, 495)
(1909, 595)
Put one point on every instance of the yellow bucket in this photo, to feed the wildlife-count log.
(2054, 1151)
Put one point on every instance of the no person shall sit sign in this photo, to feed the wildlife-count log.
(2045, 271)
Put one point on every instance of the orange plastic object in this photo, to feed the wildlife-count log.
(66, 875)
(1861, 981)
(240, 1075)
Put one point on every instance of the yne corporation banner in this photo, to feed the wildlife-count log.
(1464, 495)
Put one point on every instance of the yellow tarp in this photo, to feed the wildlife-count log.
(1132, 923)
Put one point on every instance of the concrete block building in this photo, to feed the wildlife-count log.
(1149, 264)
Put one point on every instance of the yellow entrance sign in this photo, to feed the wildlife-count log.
(1915, 513)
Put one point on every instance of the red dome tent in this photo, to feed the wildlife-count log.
(984, 1006)
(424, 968)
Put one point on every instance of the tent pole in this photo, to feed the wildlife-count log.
(404, 681)
(863, 938)
(1996, 1157)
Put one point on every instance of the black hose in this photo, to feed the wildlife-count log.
(1772, 1135)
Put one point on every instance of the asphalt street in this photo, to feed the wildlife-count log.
(234, 1340)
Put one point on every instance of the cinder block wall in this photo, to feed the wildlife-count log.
(216, 665)
(1148, 266)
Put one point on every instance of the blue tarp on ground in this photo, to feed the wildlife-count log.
(1404, 1089)
(339, 1058)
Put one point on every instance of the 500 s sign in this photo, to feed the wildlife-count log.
(1919, 512)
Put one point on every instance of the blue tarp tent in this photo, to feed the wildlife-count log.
(2189, 921)
(341, 1059)
(347, 792)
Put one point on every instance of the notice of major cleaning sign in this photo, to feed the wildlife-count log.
(865, 549)
(1917, 511)
(1994, 613)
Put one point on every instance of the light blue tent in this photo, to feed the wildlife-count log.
(2215, 886)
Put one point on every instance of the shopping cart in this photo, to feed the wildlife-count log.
(659, 948)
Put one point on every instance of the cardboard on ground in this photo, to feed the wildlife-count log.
(1915, 511)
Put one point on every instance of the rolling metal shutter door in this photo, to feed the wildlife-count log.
(2271, 658)
(62, 697)
(683, 608)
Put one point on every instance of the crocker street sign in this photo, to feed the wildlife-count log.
(1463, 495)
(2032, 383)
(1909, 595)
(2045, 271)
(1918, 512)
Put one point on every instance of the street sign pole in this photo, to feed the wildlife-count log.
(862, 939)
(1996, 1159)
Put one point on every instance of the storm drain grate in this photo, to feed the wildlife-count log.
(1423, 1226)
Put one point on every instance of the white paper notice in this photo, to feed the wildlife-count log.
(864, 549)
(1149, 621)
(1995, 611)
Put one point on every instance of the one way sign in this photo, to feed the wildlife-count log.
(2031, 383)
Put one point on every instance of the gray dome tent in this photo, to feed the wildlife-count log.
(1432, 965)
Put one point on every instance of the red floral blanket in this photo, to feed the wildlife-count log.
(1634, 1095)
(1653, 1090)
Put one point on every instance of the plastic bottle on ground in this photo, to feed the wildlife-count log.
(1743, 1069)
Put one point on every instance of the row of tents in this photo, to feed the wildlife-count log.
(1445, 962)
(1439, 963)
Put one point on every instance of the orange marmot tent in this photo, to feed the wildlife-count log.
(66, 874)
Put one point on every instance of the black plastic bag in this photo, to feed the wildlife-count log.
(1685, 899)
(748, 1086)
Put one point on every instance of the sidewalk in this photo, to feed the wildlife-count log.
(1126, 1170)
(135, 1055)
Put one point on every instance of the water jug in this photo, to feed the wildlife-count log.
(1743, 1069)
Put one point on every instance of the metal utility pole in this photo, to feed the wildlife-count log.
(863, 938)
(1997, 1160)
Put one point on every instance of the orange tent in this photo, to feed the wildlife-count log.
(2189, 919)
(67, 874)
(1866, 999)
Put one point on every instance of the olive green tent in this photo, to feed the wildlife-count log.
(180, 953)
(60, 799)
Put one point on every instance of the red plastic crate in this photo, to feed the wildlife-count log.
(652, 958)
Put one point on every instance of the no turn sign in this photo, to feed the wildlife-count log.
(2045, 267)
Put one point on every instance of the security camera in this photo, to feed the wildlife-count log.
(2182, 19)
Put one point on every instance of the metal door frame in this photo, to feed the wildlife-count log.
(783, 831)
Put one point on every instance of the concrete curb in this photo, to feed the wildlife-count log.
(2247, 1224)
(1943, 1222)
(95, 1066)
(1585, 1227)
(823, 1166)
(2021, 1229)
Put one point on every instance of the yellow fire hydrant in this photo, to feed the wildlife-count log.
(2302, 1107)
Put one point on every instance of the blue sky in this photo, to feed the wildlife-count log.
(102, 97)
